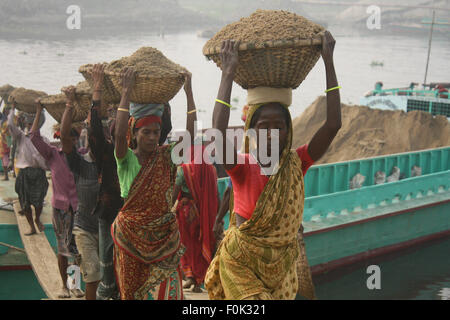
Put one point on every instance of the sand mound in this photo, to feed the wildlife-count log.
(25, 99)
(147, 61)
(266, 25)
(367, 132)
(5, 91)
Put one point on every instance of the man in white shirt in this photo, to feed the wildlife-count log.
(31, 182)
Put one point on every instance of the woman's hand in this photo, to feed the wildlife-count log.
(70, 95)
(328, 44)
(98, 74)
(229, 57)
(218, 229)
(128, 78)
(39, 106)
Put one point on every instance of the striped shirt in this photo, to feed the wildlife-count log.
(86, 180)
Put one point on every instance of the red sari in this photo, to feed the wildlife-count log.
(196, 219)
(147, 242)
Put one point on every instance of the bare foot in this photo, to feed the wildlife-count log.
(197, 289)
(77, 293)
(39, 225)
(64, 293)
(33, 231)
(190, 281)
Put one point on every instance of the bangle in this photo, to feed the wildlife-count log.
(123, 109)
(192, 111)
(224, 103)
(334, 88)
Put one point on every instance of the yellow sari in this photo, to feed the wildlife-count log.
(258, 260)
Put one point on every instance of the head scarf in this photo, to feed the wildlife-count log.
(263, 95)
(142, 115)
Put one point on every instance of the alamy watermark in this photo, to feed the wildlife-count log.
(374, 20)
(73, 22)
(263, 146)
(73, 277)
(374, 281)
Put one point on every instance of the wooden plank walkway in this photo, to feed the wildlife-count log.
(41, 256)
(45, 265)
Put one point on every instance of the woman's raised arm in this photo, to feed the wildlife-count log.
(121, 144)
(221, 115)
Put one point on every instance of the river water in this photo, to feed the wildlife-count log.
(50, 65)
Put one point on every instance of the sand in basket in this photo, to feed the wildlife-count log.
(25, 99)
(56, 104)
(5, 91)
(278, 48)
(109, 93)
(158, 79)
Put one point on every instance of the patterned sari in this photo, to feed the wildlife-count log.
(146, 236)
(196, 218)
(258, 260)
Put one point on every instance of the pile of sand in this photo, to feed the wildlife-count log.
(5, 91)
(25, 99)
(266, 25)
(367, 132)
(147, 61)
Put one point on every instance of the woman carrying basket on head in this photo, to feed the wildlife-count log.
(196, 191)
(258, 255)
(145, 233)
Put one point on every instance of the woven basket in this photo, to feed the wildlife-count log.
(148, 89)
(278, 64)
(5, 91)
(109, 93)
(25, 98)
(56, 104)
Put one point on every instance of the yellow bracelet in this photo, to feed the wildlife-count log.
(224, 103)
(123, 109)
(192, 111)
(331, 89)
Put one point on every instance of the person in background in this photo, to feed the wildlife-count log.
(110, 200)
(5, 140)
(31, 183)
(86, 224)
(196, 190)
(64, 200)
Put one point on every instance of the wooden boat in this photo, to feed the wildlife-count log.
(341, 225)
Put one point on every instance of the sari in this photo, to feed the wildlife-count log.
(196, 219)
(146, 236)
(259, 259)
(5, 143)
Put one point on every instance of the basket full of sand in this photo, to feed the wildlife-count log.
(56, 104)
(277, 48)
(158, 79)
(109, 93)
(5, 91)
(25, 99)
